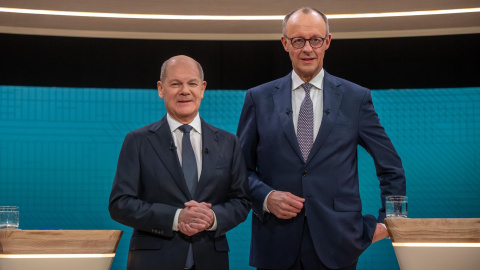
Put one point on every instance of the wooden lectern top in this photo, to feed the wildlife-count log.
(59, 241)
(434, 230)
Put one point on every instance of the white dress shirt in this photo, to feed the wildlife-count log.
(196, 140)
(316, 94)
(298, 94)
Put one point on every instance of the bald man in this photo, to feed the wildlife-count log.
(181, 183)
(299, 135)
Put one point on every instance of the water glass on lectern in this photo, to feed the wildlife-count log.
(396, 206)
(9, 217)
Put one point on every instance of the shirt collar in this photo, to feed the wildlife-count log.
(317, 81)
(174, 124)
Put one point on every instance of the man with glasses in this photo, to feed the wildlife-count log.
(299, 135)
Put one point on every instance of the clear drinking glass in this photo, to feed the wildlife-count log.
(396, 206)
(9, 217)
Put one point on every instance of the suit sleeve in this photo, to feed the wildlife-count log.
(125, 206)
(248, 137)
(235, 209)
(375, 140)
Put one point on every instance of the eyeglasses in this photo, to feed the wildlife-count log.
(298, 42)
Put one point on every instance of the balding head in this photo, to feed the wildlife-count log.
(305, 10)
(178, 59)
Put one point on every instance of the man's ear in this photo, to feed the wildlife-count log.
(284, 43)
(160, 89)
(327, 41)
(204, 86)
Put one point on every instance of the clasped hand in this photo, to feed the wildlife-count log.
(195, 217)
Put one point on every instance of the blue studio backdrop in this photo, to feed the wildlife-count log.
(59, 149)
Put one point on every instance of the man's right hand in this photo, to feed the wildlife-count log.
(284, 205)
(195, 217)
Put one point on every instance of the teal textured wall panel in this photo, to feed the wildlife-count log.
(59, 148)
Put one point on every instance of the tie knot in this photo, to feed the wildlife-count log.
(306, 86)
(185, 128)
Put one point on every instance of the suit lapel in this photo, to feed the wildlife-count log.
(162, 142)
(210, 152)
(332, 98)
(282, 97)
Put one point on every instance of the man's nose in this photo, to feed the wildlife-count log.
(184, 90)
(307, 47)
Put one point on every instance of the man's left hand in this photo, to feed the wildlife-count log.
(195, 217)
(380, 233)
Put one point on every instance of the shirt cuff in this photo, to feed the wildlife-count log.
(214, 226)
(265, 208)
(175, 220)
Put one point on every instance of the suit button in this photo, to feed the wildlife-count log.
(304, 173)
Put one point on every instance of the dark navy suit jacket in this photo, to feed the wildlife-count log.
(149, 187)
(328, 180)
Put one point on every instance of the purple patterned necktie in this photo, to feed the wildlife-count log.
(305, 123)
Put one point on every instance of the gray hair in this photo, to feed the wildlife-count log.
(163, 70)
(305, 10)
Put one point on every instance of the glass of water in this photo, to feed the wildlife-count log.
(396, 206)
(9, 217)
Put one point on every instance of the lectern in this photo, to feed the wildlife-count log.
(424, 244)
(58, 249)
